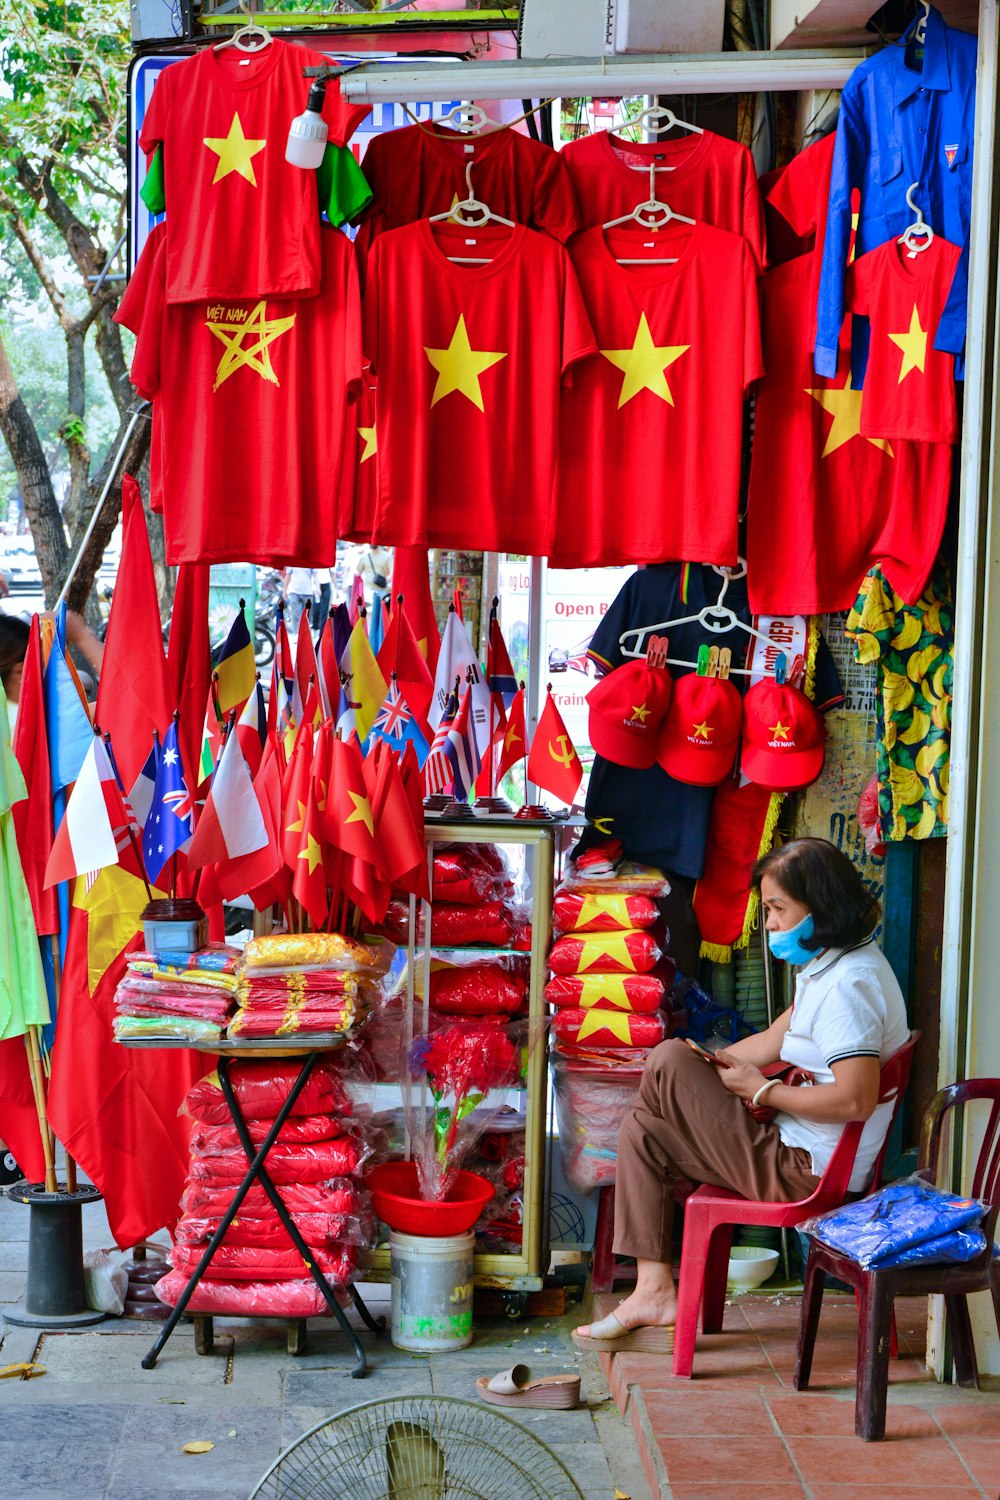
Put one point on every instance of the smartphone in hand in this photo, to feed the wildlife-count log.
(706, 1056)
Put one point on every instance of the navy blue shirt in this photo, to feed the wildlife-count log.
(900, 125)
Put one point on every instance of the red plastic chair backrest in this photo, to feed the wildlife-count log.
(894, 1076)
(986, 1178)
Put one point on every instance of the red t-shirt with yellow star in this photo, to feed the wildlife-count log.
(420, 170)
(245, 469)
(359, 498)
(909, 385)
(652, 427)
(825, 503)
(469, 363)
(710, 178)
(243, 222)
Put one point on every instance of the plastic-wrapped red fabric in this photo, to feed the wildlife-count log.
(639, 994)
(250, 1263)
(279, 989)
(590, 1108)
(479, 989)
(512, 1174)
(321, 1230)
(629, 879)
(460, 879)
(605, 953)
(610, 1028)
(154, 997)
(285, 1163)
(338, 1196)
(261, 1088)
(574, 911)
(216, 1140)
(491, 922)
(316, 1017)
(246, 1299)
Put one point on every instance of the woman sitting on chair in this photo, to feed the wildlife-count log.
(689, 1122)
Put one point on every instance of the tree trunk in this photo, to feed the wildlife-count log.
(33, 477)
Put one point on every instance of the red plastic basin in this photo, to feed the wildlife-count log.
(396, 1194)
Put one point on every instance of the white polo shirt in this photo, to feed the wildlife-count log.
(847, 1004)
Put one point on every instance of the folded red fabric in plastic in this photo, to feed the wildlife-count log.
(605, 953)
(610, 1028)
(477, 989)
(251, 1263)
(575, 912)
(285, 1163)
(322, 1230)
(320, 1016)
(261, 1088)
(337, 1196)
(638, 993)
(246, 1299)
(216, 1140)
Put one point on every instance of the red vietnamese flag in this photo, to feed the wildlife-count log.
(265, 876)
(295, 795)
(33, 824)
(553, 763)
(308, 871)
(189, 664)
(306, 670)
(350, 827)
(329, 668)
(132, 696)
(513, 740)
(400, 653)
(416, 880)
(411, 578)
(399, 845)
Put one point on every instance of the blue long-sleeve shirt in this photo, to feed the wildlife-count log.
(897, 127)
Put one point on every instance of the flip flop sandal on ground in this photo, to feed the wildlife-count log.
(608, 1336)
(515, 1387)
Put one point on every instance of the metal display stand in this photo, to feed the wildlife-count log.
(257, 1172)
(514, 1274)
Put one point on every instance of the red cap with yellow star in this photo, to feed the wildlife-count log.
(782, 737)
(626, 710)
(701, 733)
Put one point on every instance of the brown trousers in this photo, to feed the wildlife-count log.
(685, 1125)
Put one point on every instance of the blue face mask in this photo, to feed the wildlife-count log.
(789, 945)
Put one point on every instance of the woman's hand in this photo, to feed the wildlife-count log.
(741, 1077)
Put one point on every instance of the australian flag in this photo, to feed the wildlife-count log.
(170, 820)
(398, 725)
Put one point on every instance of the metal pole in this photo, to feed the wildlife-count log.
(100, 504)
(537, 671)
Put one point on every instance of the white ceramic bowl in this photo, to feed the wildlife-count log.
(749, 1267)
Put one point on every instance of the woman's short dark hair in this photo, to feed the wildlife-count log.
(815, 872)
(14, 635)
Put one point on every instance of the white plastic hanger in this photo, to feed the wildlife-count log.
(919, 229)
(920, 30)
(461, 212)
(716, 618)
(468, 119)
(657, 119)
(654, 213)
(249, 38)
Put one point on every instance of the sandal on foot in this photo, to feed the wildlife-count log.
(610, 1336)
(515, 1387)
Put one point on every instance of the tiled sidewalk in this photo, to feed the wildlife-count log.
(739, 1428)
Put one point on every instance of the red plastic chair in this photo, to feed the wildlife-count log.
(711, 1214)
(876, 1290)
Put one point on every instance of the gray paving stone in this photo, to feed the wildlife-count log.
(255, 1426)
(96, 1358)
(43, 1423)
(334, 1390)
(231, 1468)
(60, 1463)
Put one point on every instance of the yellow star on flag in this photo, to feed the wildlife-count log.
(257, 356)
(370, 439)
(702, 730)
(606, 990)
(644, 365)
(844, 405)
(511, 737)
(362, 812)
(606, 951)
(235, 152)
(641, 712)
(615, 1021)
(779, 730)
(913, 344)
(296, 827)
(312, 853)
(460, 366)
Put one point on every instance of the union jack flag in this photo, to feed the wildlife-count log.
(398, 725)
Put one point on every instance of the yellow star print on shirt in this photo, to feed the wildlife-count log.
(235, 152)
(257, 356)
(844, 406)
(913, 344)
(369, 437)
(460, 366)
(644, 365)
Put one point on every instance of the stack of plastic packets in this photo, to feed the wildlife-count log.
(183, 996)
(308, 984)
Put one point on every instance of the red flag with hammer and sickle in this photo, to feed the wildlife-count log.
(553, 763)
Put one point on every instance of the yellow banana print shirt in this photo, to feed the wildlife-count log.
(913, 646)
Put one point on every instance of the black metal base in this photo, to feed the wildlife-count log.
(55, 1296)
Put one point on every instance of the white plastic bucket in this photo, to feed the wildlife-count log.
(431, 1291)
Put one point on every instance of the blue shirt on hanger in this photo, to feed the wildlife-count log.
(899, 126)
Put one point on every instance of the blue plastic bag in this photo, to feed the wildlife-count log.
(952, 1249)
(896, 1220)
